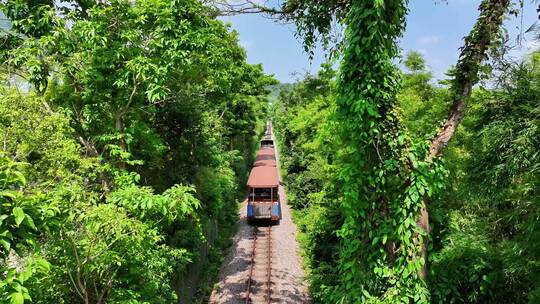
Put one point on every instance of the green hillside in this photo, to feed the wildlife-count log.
(276, 89)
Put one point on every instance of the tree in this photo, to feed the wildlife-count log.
(418, 78)
(484, 238)
(414, 62)
(481, 37)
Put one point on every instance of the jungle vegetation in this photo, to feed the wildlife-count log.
(127, 129)
(408, 191)
(483, 191)
(484, 237)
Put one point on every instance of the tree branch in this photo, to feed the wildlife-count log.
(472, 54)
(238, 7)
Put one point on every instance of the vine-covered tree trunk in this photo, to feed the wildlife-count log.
(474, 51)
(472, 54)
(386, 185)
(381, 243)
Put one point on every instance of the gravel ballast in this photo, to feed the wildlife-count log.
(288, 280)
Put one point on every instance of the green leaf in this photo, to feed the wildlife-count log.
(17, 298)
(5, 244)
(30, 222)
(43, 265)
(19, 215)
(19, 177)
(8, 193)
(25, 274)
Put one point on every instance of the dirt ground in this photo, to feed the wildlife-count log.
(288, 283)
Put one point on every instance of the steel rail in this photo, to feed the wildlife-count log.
(248, 291)
(268, 266)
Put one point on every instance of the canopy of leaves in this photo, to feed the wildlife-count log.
(137, 121)
(485, 223)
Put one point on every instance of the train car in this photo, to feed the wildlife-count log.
(263, 198)
(265, 158)
(263, 184)
(267, 142)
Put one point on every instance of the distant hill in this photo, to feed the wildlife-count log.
(276, 89)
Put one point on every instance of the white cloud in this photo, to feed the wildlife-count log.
(246, 44)
(428, 40)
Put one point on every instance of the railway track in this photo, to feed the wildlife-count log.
(259, 282)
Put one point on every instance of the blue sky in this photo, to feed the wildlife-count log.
(433, 28)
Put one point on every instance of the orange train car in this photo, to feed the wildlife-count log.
(263, 201)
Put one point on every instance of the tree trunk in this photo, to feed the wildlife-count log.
(472, 54)
(119, 124)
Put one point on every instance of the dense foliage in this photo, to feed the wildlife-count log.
(307, 152)
(485, 232)
(486, 247)
(384, 176)
(125, 129)
(127, 126)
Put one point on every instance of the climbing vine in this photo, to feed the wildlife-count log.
(384, 181)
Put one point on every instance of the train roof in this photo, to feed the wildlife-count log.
(265, 157)
(263, 177)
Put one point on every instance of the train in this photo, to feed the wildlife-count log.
(263, 201)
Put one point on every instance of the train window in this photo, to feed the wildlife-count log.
(267, 143)
(264, 193)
